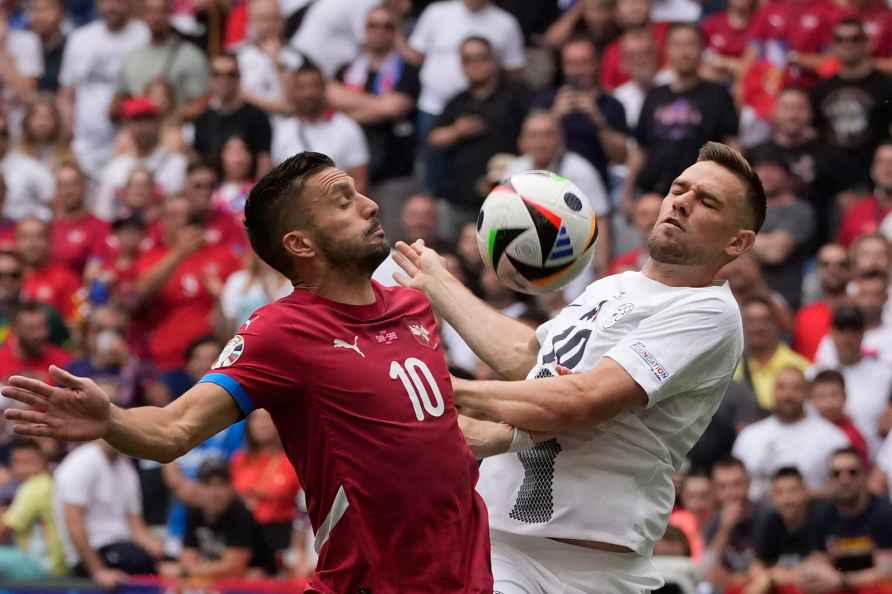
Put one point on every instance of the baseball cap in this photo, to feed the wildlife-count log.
(848, 317)
(138, 107)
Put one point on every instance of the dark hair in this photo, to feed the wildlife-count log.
(23, 443)
(758, 300)
(830, 376)
(848, 317)
(728, 462)
(479, 39)
(786, 472)
(847, 451)
(272, 208)
(690, 26)
(732, 160)
(200, 341)
(199, 163)
(26, 307)
(211, 468)
(308, 67)
(850, 21)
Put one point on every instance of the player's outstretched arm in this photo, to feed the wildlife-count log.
(76, 409)
(506, 345)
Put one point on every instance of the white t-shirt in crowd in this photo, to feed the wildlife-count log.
(338, 136)
(877, 341)
(107, 489)
(168, 168)
(675, 11)
(29, 187)
(259, 74)
(438, 34)
(578, 170)
(613, 482)
(632, 95)
(92, 64)
(26, 52)
(239, 299)
(332, 31)
(807, 444)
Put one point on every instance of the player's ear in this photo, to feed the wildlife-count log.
(741, 243)
(299, 244)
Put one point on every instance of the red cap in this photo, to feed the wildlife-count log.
(138, 107)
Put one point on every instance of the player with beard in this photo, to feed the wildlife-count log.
(356, 382)
(644, 359)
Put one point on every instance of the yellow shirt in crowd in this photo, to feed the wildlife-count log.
(764, 375)
(31, 518)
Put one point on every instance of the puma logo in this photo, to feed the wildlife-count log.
(343, 344)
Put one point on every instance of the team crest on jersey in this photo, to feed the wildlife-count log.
(660, 372)
(230, 353)
(420, 333)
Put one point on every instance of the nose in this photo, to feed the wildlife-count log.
(369, 207)
(682, 203)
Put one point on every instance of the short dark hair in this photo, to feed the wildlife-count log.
(848, 317)
(214, 467)
(850, 21)
(478, 39)
(272, 210)
(736, 163)
(680, 26)
(23, 443)
(308, 67)
(26, 307)
(830, 376)
(199, 163)
(200, 341)
(728, 462)
(847, 451)
(758, 300)
(786, 472)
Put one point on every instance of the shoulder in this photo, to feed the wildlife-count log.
(753, 433)
(90, 30)
(343, 121)
(880, 511)
(578, 164)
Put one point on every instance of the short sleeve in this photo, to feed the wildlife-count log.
(239, 528)
(766, 538)
(26, 506)
(73, 482)
(230, 298)
(262, 132)
(196, 70)
(72, 63)
(615, 114)
(589, 181)
(421, 39)
(729, 121)
(692, 344)
(27, 54)
(409, 83)
(514, 55)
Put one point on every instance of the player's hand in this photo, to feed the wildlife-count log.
(76, 410)
(424, 269)
(109, 579)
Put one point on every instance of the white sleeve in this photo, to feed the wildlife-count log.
(45, 182)
(134, 493)
(356, 149)
(73, 65)
(422, 35)
(691, 345)
(743, 448)
(72, 482)
(28, 55)
(589, 181)
(514, 55)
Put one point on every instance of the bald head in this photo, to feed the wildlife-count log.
(541, 139)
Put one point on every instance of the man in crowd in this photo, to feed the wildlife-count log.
(12, 272)
(76, 234)
(28, 183)
(644, 216)
(641, 59)
(813, 320)
(865, 215)
(45, 18)
(828, 396)
(28, 348)
(789, 437)
(46, 280)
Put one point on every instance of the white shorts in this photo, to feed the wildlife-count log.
(537, 565)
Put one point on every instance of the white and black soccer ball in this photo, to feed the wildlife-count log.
(537, 231)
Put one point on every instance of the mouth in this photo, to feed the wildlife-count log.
(376, 231)
(673, 222)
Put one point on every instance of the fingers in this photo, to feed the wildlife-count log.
(34, 430)
(405, 263)
(407, 250)
(25, 416)
(561, 370)
(31, 385)
(63, 378)
(402, 280)
(25, 397)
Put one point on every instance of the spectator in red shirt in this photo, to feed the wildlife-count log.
(7, 226)
(865, 215)
(813, 320)
(45, 280)
(28, 350)
(112, 275)
(726, 39)
(179, 283)
(644, 217)
(75, 234)
(828, 396)
(630, 14)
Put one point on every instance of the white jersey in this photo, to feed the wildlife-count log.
(613, 482)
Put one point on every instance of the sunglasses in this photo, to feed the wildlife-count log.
(381, 25)
(849, 38)
(467, 58)
(836, 263)
(11, 274)
(226, 73)
(851, 472)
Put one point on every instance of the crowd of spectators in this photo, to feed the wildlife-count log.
(131, 132)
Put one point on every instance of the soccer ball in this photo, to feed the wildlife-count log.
(536, 231)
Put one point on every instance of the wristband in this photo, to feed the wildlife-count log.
(521, 440)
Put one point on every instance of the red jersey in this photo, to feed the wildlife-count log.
(812, 324)
(181, 311)
(722, 38)
(12, 362)
(613, 72)
(267, 483)
(74, 241)
(220, 228)
(54, 285)
(861, 218)
(362, 399)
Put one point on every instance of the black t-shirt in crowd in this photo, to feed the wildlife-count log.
(234, 528)
(777, 545)
(853, 117)
(852, 540)
(391, 142)
(674, 125)
(741, 548)
(213, 128)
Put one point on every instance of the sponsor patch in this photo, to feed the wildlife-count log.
(230, 353)
(660, 372)
(622, 311)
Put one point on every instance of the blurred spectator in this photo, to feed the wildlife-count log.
(853, 542)
(745, 278)
(11, 297)
(237, 167)
(228, 113)
(475, 125)
(98, 508)
(782, 243)
(43, 138)
(140, 196)
(765, 356)
(112, 276)
(248, 289)
(644, 217)
(730, 535)
(726, 40)
(379, 89)
(594, 122)
(76, 235)
(45, 18)
(314, 126)
(629, 16)
(785, 535)
(263, 56)
(593, 18)
(419, 219)
(169, 168)
(91, 67)
(788, 438)
(641, 57)
(46, 281)
(166, 58)
(21, 63)
(38, 551)
(866, 214)
(676, 119)
(7, 225)
(29, 185)
(813, 320)
(881, 475)
(222, 538)
(870, 253)
(828, 397)
(697, 506)
(28, 350)
(332, 32)
(266, 481)
(851, 109)
(178, 284)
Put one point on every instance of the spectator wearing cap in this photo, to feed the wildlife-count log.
(851, 108)
(28, 184)
(46, 281)
(98, 510)
(788, 437)
(782, 244)
(316, 126)
(813, 320)
(828, 397)
(222, 538)
(76, 235)
(168, 58)
(28, 350)
(865, 215)
(169, 168)
(228, 113)
(45, 19)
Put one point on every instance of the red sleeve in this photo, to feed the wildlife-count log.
(148, 260)
(611, 68)
(756, 32)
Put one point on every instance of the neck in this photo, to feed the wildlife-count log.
(227, 104)
(794, 138)
(737, 14)
(50, 38)
(116, 27)
(684, 82)
(796, 520)
(677, 275)
(883, 195)
(855, 71)
(144, 151)
(855, 506)
(761, 355)
(790, 420)
(349, 289)
(485, 89)
(69, 214)
(377, 56)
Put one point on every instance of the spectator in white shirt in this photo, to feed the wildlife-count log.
(21, 64)
(29, 185)
(261, 56)
(316, 127)
(169, 168)
(91, 66)
(641, 58)
(332, 32)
